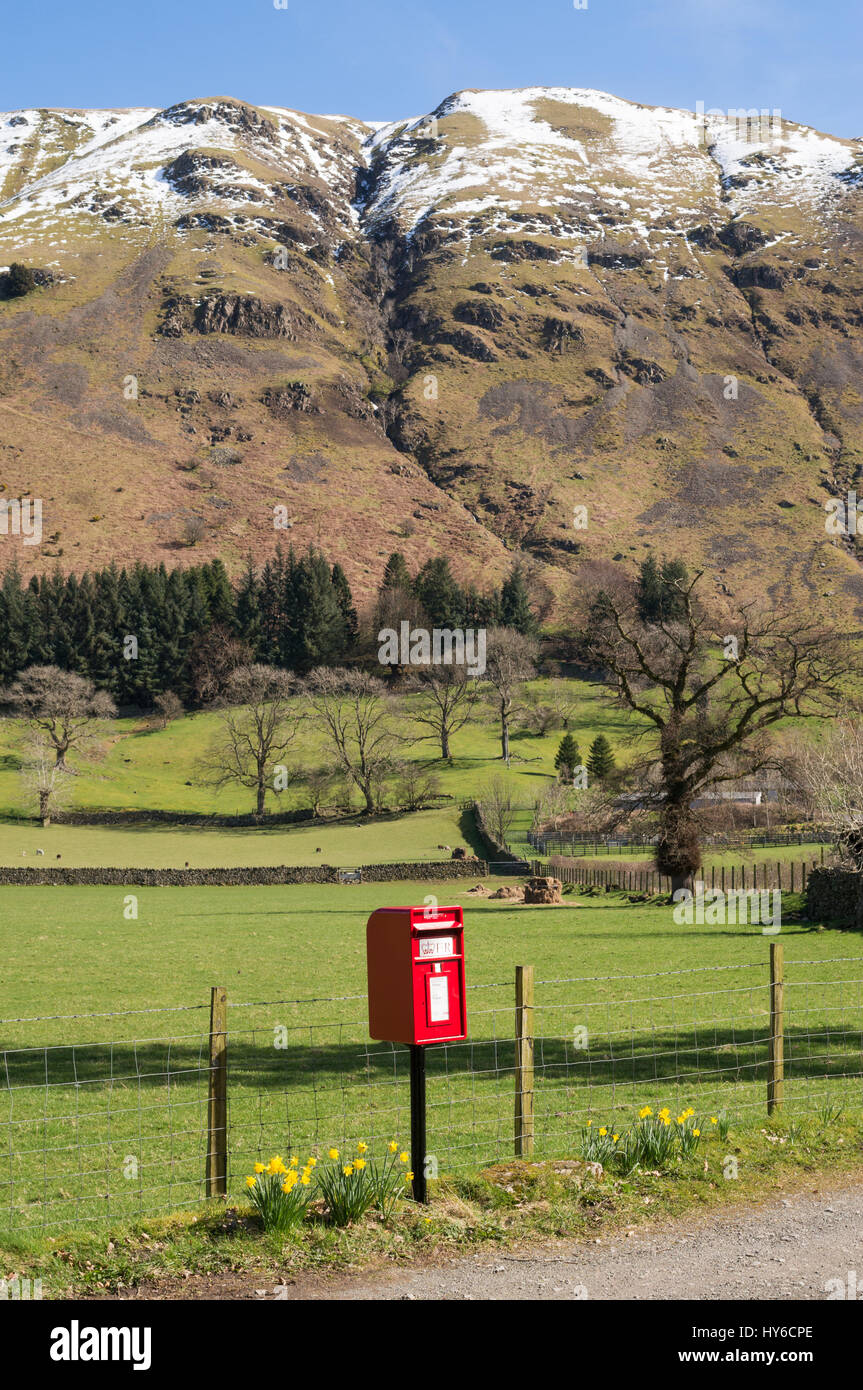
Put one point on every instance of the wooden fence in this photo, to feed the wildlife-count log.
(628, 878)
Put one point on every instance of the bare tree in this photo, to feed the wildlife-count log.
(43, 776)
(708, 689)
(829, 772)
(214, 655)
(169, 706)
(63, 707)
(356, 713)
(258, 727)
(415, 786)
(320, 785)
(447, 698)
(497, 807)
(510, 661)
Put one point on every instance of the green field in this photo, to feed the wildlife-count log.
(354, 841)
(145, 769)
(105, 1115)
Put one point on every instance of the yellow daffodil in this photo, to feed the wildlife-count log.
(409, 1177)
(251, 1182)
(644, 1112)
(259, 1168)
(334, 1153)
(403, 1156)
(713, 1120)
(362, 1148)
(589, 1123)
(664, 1113)
(312, 1162)
(614, 1138)
(348, 1170)
(603, 1132)
(392, 1146)
(305, 1179)
(697, 1133)
(294, 1161)
(359, 1163)
(665, 1120)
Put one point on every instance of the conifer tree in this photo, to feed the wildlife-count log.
(567, 758)
(600, 760)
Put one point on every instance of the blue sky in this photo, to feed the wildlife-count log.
(382, 59)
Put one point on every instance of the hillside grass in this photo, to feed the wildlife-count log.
(146, 769)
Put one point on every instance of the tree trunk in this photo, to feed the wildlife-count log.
(262, 797)
(504, 734)
(444, 744)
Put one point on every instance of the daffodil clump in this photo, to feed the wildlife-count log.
(281, 1192)
(349, 1185)
(652, 1141)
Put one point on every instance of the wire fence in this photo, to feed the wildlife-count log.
(120, 1129)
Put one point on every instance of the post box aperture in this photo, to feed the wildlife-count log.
(416, 974)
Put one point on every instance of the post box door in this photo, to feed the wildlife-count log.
(438, 1002)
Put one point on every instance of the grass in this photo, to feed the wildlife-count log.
(114, 1127)
(507, 1206)
(145, 769)
(350, 842)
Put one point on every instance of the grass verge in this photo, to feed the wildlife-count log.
(507, 1204)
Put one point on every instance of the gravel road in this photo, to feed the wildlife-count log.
(786, 1249)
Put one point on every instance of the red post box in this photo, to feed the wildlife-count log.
(416, 974)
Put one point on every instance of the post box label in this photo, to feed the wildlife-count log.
(431, 946)
(438, 998)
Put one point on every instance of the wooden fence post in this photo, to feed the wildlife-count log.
(217, 1107)
(523, 1061)
(776, 1058)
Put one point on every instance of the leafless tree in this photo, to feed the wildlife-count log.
(510, 661)
(415, 785)
(447, 696)
(708, 702)
(169, 706)
(829, 772)
(63, 707)
(194, 529)
(497, 807)
(259, 723)
(355, 711)
(45, 778)
(214, 655)
(319, 785)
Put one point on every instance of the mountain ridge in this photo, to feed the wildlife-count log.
(444, 334)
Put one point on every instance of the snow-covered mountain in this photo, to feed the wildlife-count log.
(448, 331)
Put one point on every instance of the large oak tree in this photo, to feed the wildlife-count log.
(708, 686)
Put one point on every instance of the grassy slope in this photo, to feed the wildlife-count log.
(159, 770)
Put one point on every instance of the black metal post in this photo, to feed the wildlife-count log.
(418, 1121)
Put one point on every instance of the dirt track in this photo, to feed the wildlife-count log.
(787, 1249)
